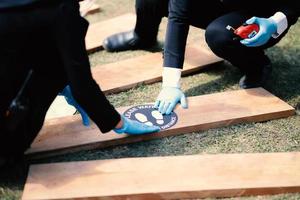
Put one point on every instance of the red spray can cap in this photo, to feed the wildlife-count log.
(247, 31)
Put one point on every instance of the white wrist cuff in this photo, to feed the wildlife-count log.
(280, 19)
(171, 77)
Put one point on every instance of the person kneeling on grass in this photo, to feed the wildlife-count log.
(274, 18)
(42, 53)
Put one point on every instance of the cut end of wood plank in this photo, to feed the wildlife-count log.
(207, 111)
(148, 69)
(97, 32)
(88, 7)
(196, 176)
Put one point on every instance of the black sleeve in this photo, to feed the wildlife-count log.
(70, 29)
(177, 31)
(291, 11)
(289, 7)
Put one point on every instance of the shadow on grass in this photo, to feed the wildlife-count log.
(158, 47)
(283, 83)
(228, 78)
(286, 73)
(14, 175)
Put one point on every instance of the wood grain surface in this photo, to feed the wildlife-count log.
(146, 69)
(179, 177)
(97, 32)
(64, 135)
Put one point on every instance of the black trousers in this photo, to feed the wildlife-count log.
(29, 40)
(149, 14)
(213, 17)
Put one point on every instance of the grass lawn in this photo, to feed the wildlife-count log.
(281, 135)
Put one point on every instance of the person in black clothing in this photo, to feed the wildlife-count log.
(148, 17)
(149, 14)
(273, 18)
(46, 39)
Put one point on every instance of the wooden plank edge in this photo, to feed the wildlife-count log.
(234, 191)
(99, 47)
(225, 193)
(158, 79)
(95, 49)
(166, 133)
(95, 8)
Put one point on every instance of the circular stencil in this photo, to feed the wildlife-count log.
(147, 114)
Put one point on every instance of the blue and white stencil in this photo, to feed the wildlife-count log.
(150, 116)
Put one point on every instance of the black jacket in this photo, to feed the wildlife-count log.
(182, 13)
(64, 31)
(15, 3)
(4, 4)
(289, 7)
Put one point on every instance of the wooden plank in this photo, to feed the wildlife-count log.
(178, 177)
(63, 135)
(90, 9)
(97, 32)
(147, 69)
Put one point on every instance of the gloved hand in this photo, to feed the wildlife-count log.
(135, 128)
(168, 98)
(267, 27)
(71, 101)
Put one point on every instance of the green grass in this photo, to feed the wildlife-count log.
(281, 135)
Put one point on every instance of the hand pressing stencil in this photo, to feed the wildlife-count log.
(150, 116)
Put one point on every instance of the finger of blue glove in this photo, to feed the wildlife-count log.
(256, 44)
(71, 101)
(171, 108)
(137, 128)
(165, 108)
(183, 102)
(161, 106)
(244, 42)
(84, 116)
(157, 102)
(253, 44)
(255, 41)
(252, 20)
(149, 129)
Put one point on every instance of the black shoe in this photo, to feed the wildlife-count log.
(126, 41)
(256, 80)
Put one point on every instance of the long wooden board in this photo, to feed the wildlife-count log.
(126, 74)
(97, 32)
(179, 177)
(67, 134)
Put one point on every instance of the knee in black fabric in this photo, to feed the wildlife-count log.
(247, 59)
(17, 142)
(141, 5)
(220, 40)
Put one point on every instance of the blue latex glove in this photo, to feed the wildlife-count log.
(267, 27)
(135, 128)
(71, 101)
(168, 99)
